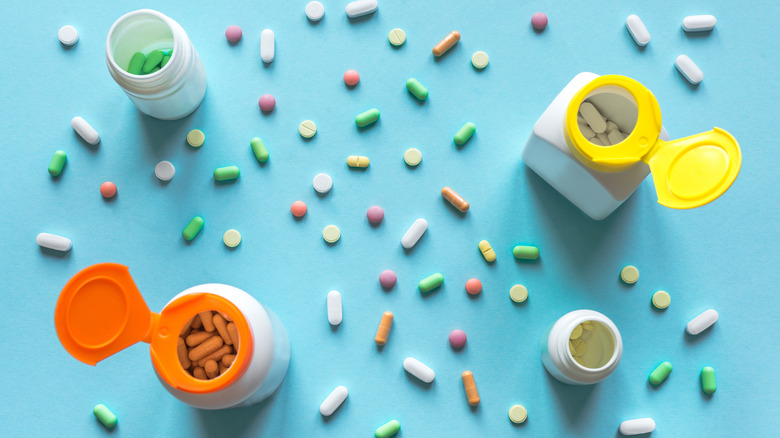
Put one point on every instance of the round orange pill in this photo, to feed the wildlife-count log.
(351, 78)
(473, 286)
(298, 208)
(108, 189)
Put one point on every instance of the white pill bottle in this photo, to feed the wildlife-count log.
(101, 312)
(581, 348)
(688, 172)
(175, 90)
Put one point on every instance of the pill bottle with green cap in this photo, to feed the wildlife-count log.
(175, 90)
(581, 348)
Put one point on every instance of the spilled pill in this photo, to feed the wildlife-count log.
(417, 88)
(104, 415)
(375, 214)
(387, 279)
(455, 199)
(259, 149)
(480, 60)
(518, 293)
(702, 322)
(487, 251)
(53, 242)
(388, 429)
(322, 183)
(419, 370)
(447, 43)
(699, 23)
(333, 401)
(629, 274)
(307, 129)
(57, 163)
(637, 426)
(334, 307)
(193, 228)
(85, 130)
(233, 34)
(231, 238)
(68, 35)
(331, 234)
(430, 283)
(267, 46)
(661, 300)
(688, 69)
(366, 118)
(465, 133)
(660, 373)
(226, 173)
(164, 171)
(384, 328)
(457, 338)
(314, 12)
(637, 30)
(267, 103)
(298, 209)
(525, 252)
(412, 157)
(196, 138)
(470, 386)
(397, 37)
(360, 7)
(357, 161)
(708, 384)
(518, 414)
(414, 233)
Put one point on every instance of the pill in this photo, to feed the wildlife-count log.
(153, 59)
(222, 368)
(660, 373)
(417, 89)
(525, 252)
(465, 133)
(387, 279)
(384, 328)
(164, 171)
(298, 208)
(447, 43)
(455, 199)
(471, 388)
(603, 138)
(414, 233)
(687, 68)
(196, 138)
(57, 163)
(205, 348)
(637, 426)
(366, 118)
(216, 354)
(259, 149)
(314, 11)
(357, 161)
(322, 183)
(108, 189)
(307, 129)
(615, 137)
(708, 384)
(136, 64)
(612, 126)
(232, 238)
(593, 117)
(211, 368)
(419, 370)
(397, 37)
(267, 46)
(702, 322)
(576, 333)
(696, 23)
(233, 331)
(187, 328)
(334, 307)
(351, 78)
(206, 319)
(85, 130)
(195, 339)
(595, 140)
(577, 347)
(637, 30)
(430, 283)
(226, 173)
(331, 234)
(412, 157)
(196, 324)
(518, 293)
(518, 414)
(333, 401)
(199, 373)
(228, 359)
(539, 21)
(661, 299)
(457, 338)
(53, 242)
(480, 60)
(267, 103)
(375, 214)
(68, 35)
(629, 274)
(104, 415)
(487, 251)
(165, 60)
(360, 7)
(193, 228)
(473, 286)
(388, 429)
(233, 33)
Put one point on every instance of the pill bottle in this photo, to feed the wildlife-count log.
(100, 312)
(175, 90)
(581, 348)
(597, 178)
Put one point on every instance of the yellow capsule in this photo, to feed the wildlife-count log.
(357, 161)
(487, 251)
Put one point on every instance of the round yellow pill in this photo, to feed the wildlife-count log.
(231, 238)
(576, 333)
(661, 299)
(397, 37)
(479, 60)
(307, 129)
(577, 347)
(517, 414)
(629, 274)
(331, 234)
(412, 157)
(195, 138)
(518, 293)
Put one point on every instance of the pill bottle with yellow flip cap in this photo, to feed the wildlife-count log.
(101, 312)
(598, 171)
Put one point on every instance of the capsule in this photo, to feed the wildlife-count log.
(366, 118)
(384, 328)
(428, 284)
(357, 161)
(660, 373)
(226, 173)
(471, 388)
(190, 231)
(699, 23)
(708, 384)
(259, 149)
(447, 43)
(205, 348)
(57, 163)
(487, 251)
(417, 88)
(525, 252)
(455, 199)
(465, 133)
(104, 415)
(181, 350)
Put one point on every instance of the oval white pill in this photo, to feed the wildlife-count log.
(85, 130)
(164, 171)
(54, 242)
(687, 68)
(360, 8)
(267, 46)
(637, 426)
(334, 307)
(637, 30)
(322, 183)
(699, 23)
(414, 233)
(315, 11)
(701, 322)
(68, 35)
(333, 401)
(419, 370)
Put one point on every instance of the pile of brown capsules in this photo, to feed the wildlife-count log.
(208, 345)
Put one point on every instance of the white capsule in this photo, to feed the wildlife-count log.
(593, 117)
(333, 401)
(637, 30)
(53, 242)
(85, 130)
(637, 426)
(701, 322)
(334, 307)
(419, 370)
(267, 46)
(315, 11)
(414, 233)
(360, 8)
(687, 68)
(699, 23)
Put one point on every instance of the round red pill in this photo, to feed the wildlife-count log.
(473, 286)
(298, 208)
(539, 21)
(387, 279)
(375, 214)
(267, 102)
(351, 78)
(457, 338)
(108, 189)
(233, 34)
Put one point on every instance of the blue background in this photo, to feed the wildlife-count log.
(722, 256)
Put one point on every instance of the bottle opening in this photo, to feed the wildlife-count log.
(592, 344)
(208, 345)
(139, 31)
(607, 115)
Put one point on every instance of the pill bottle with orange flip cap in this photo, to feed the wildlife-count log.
(101, 312)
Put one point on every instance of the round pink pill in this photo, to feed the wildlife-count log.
(108, 189)
(387, 279)
(473, 286)
(233, 34)
(298, 208)
(375, 214)
(351, 78)
(539, 21)
(267, 102)
(457, 338)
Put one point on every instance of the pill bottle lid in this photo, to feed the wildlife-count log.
(687, 173)
(100, 312)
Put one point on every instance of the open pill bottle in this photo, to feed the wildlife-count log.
(101, 312)
(177, 88)
(581, 348)
(597, 173)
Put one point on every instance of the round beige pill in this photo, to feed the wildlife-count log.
(397, 37)
(661, 299)
(231, 238)
(479, 60)
(576, 333)
(518, 293)
(196, 138)
(577, 347)
(629, 274)
(412, 157)
(307, 129)
(331, 234)
(517, 414)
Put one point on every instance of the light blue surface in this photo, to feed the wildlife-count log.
(722, 256)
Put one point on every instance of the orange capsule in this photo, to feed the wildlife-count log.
(455, 199)
(471, 388)
(384, 328)
(447, 43)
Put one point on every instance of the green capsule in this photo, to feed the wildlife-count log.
(367, 118)
(660, 373)
(415, 87)
(388, 429)
(708, 380)
(525, 252)
(105, 416)
(152, 60)
(165, 60)
(57, 163)
(261, 153)
(193, 228)
(464, 134)
(226, 173)
(430, 283)
(136, 63)
(156, 69)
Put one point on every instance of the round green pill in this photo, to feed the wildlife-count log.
(479, 60)
(57, 163)
(660, 373)
(661, 300)
(193, 228)
(397, 37)
(307, 129)
(430, 283)
(525, 252)
(195, 138)
(104, 415)
(518, 293)
(412, 157)
(388, 429)
(629, 274)
(366, 118)
(258, 148)
(708, 384)
(417, 89)
(226, 173)
(517, 414)
(465, 133)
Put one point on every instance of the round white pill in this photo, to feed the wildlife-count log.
(164, 171)
(322, 183)
(68, 35)
(315, 11)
